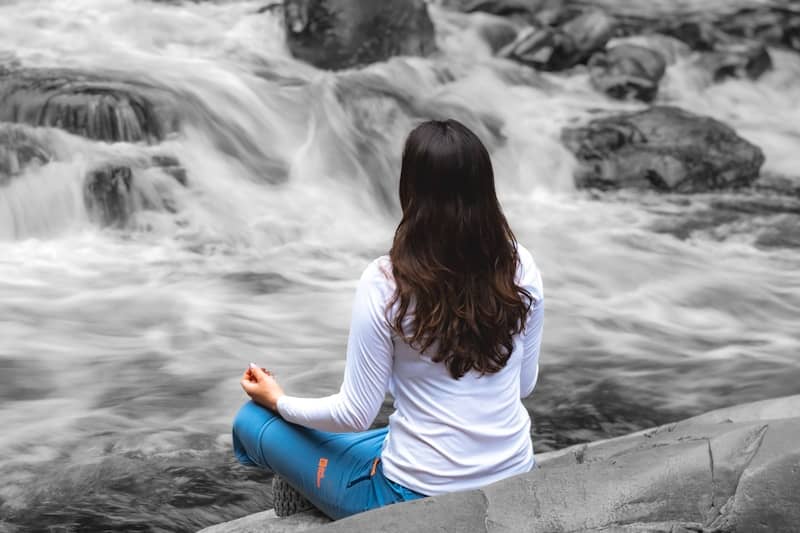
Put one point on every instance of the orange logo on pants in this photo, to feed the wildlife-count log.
(323, 464)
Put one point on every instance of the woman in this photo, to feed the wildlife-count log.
(449, 323)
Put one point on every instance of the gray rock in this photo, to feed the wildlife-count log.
(662, 148)
(539, 12)
(733, 40)
(503, 8)
(338, 34)
(554, 48)
(111, 194)
(85, 105)
(498, 32)
(628, 71)
(19, 148)
(107, 195)
(267, 522)
(731, 470)
(775, 25)
(737, 59)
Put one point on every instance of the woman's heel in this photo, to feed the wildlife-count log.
(286, 500)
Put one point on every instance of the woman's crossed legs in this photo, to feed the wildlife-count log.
(340, 473)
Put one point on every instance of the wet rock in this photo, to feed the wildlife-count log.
(628, 71)
(267, 522)
(538, 12)
(662, 148)
(555, 48)
(699, 35)
(113, 192)
(496, 31)
(338, 34)
(774, 25)
(86, 105)
(107, 195)
(734, 469)
(503, 8)
(19, 149)
(723, 55)
(737, 59)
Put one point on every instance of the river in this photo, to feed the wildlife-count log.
(121, 349)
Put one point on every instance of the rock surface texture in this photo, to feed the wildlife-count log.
(662, 148)
(628, 71)
(113, 192)
(19, 149)
(338, 34)
(87, 106)
(561, 47)
(731, 470)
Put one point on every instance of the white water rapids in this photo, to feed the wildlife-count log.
(121, 350)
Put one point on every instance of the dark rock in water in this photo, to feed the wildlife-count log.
(724, 55)
(503, 8)
(737, 59)
(107, 195)
(735, 38)
(110, 194)
(338, 34)
(19, 149)
(539, 12)
(774, 25)
(496, 31)
(781, 185)
(662, 148)
(700, 35)
(85, 105)
(562, 47)
(628, 71)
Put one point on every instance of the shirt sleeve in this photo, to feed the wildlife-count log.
(367, 369)
(534, 325)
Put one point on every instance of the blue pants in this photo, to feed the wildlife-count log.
(340, 473)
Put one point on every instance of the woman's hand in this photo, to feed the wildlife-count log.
(262, 387)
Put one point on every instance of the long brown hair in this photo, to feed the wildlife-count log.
(454, 257)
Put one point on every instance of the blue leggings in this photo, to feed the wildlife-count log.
(340, 473)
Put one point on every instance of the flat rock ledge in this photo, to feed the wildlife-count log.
(732, 470)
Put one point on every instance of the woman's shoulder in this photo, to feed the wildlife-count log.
(528, 273)
(377, 276)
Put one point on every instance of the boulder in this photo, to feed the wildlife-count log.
(734, 42)
(662, 148)
(267, 522)
(731, 470)
(548, 12)
(86, 105)
(503, 8)
(772, 24)
(114, 191)
(561, 47)
(498, 32)
(107, 195)
(628, 71)
(723, 55)
(19, 148)
(737, 59)
(699, 35)
(338, 34)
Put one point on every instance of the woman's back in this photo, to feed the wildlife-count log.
(451, 434)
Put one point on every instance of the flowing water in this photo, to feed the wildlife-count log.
(120, 350)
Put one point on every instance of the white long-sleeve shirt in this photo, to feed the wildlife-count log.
(445, 435)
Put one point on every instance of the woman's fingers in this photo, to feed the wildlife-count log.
(259, 374)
